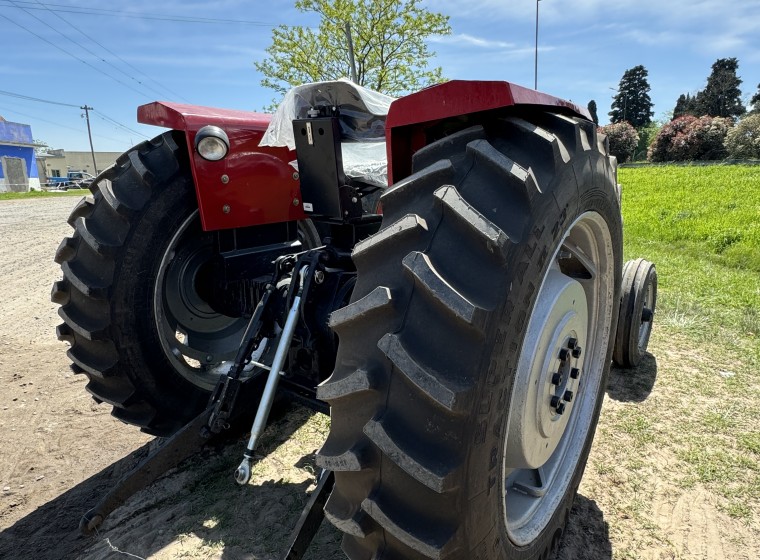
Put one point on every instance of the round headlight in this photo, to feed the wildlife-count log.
(212, 143)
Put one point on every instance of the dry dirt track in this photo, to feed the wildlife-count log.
(60, 450)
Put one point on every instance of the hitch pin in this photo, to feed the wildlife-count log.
(243, 472)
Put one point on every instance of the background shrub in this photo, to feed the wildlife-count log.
(690, 138)
(623, 140)
(743, 140)
(647, 135)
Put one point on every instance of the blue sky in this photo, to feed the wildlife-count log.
(584, 48)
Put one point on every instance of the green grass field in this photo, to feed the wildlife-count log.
(701, 227)
(41, 194)
(692, 429)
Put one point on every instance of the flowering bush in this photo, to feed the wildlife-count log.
(743, 141)
(623, 140)
(690, 138)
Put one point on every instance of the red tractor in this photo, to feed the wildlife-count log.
(457, 320)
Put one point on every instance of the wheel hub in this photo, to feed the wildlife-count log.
(196, 339)
(551, 412)
(548, 372)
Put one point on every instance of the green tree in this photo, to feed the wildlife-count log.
(388, 38)
(722, 96)
(647, 136)
(686, 105)
(755, 101)
(592, 109)
(632, 103)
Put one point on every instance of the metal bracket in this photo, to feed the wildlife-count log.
(179, 447)
(311, 518)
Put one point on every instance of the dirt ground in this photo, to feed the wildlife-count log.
(60, 451)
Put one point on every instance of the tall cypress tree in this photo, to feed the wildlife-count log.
(686, 105)
(592, 110)
(722, 96)
(755, 101)
(632, 102)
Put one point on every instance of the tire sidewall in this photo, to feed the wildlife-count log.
(132, 304)
(577, 190)
(645, 276)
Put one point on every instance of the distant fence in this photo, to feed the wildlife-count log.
(692, 163)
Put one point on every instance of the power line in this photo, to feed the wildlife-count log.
(30, 98)
(35, 117)
(100, 114)
(160, 17)
(72, 55)
(76, 28)
(46, 24)
(117, 123)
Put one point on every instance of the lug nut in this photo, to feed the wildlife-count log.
(560, 408)
(568, 396)
(555, 402)
(575, 373)
(572, 343)
(577, 352)
(563, 353)
(556, 379)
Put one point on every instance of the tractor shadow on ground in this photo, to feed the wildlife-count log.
(51, 532)
(633, 384)
(198, 502)
(586, 535)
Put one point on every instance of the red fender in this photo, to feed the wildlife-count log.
(410, 116)
(260, 186)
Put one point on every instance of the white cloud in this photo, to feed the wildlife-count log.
(464, 38)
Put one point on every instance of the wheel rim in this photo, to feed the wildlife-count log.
(198, 341)
(558, 378)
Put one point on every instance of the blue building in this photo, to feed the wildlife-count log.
(18, 166)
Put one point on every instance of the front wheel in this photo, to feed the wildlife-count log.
(487, 301)
(137, 291)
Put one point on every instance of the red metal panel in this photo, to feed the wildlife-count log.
(260, 185)
(410, 115)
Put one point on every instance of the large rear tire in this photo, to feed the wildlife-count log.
(133, 296)
(474, 355)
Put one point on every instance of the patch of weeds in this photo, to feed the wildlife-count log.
(213, 544)
(750, 441)
(710, 466)
(681, 315)
(721, 241)
(737, 510)
(749, 321)
(639, 428)
(603, 468)
(718, 422)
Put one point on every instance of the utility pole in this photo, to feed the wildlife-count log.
(535, 85)
(87, 110)
(351, 54)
